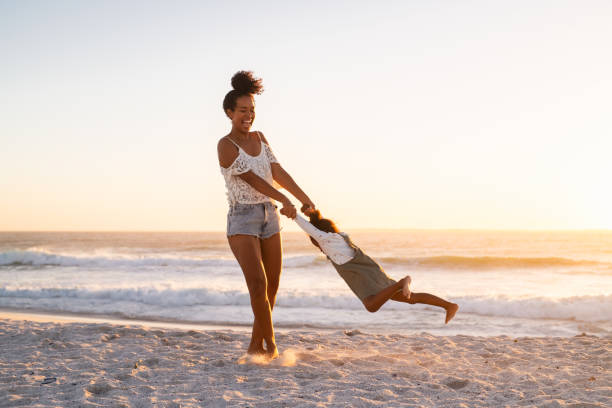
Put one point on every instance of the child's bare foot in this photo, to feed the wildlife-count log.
(406, 287)
(451, 311)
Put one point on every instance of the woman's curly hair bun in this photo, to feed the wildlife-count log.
(246, 83)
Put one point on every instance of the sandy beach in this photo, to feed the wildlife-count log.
(48, 364)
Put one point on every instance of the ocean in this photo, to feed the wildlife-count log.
(506, 282)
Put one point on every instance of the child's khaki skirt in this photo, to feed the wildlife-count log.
(362, 274)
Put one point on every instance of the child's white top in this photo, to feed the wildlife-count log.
(332, 244)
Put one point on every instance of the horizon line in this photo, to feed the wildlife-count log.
(351, 229)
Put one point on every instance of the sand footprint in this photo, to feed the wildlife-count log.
(99, 387)
(456, 383)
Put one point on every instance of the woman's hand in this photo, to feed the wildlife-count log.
(288, 209)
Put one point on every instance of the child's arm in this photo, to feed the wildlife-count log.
(310, 229)
(331, 244)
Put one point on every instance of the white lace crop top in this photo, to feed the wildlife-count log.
(239, 191)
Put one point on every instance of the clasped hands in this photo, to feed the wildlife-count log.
(289, 210)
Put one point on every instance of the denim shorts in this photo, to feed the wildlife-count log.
(260, 220)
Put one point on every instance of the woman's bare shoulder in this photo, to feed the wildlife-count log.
(227, 152)
(263, 138)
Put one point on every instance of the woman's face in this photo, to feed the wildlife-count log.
(244, 113)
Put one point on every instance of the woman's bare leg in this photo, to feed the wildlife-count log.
(272, 257)
(247, 251)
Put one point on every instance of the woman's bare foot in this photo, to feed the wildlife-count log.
(406, 287)
(451, 311)
(272, 353)
(256, 347)
(256, 350)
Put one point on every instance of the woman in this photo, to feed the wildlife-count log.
(250, 170)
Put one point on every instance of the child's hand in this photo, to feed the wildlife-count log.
(307, 208)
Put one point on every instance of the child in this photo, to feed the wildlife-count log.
(362, 274)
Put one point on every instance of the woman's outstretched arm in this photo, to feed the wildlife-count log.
(263, 187)
(283, 178)
(227, 154)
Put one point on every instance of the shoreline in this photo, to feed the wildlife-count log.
(41, 315)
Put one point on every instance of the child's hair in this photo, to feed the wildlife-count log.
(244, 83)
(322, 224)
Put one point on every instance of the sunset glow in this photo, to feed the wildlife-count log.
(394, 115)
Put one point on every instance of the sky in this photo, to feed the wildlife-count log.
(389, 114)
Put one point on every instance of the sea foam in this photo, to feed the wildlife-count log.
(581, 308)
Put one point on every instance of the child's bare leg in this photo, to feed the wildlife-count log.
(375, 302)
(429, 299)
